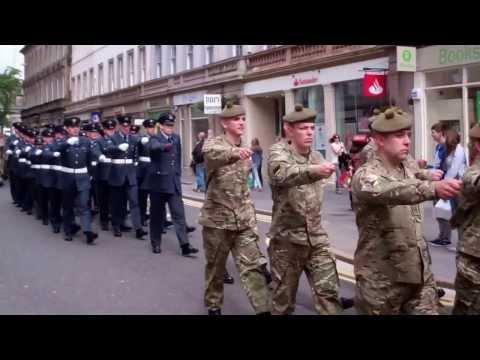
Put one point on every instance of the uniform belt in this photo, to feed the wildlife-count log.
(56, 167)
(67, 170)
(22, 160)
(35, 166)
(94, 163)
(106, 160)
(45, 167)
(122, 161)
(145, 159)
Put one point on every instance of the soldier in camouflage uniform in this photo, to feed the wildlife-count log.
(467, 219)
(392, 261)
(228, 217)
(298, 240)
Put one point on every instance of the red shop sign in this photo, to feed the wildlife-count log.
(374, 84)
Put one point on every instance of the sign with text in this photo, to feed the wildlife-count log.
(406, 58)
(212, 104)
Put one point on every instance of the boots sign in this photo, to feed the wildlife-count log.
(212, 104)
(374, 84)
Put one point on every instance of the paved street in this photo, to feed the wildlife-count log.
(40, 273)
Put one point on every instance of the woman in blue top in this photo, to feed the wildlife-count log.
(453, 166)
(257, 158)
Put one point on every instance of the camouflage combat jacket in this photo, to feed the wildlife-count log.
(469, 205)
(228, 203)
(389, 219)
(297, 194)
(369, 151)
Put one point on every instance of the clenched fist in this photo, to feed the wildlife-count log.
(447, 189)
(38, 152)
(73, 140)
(436, 175)
(123, 147)
(145, 140)
(245, 153)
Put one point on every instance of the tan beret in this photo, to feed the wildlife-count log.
(393, 119)
(300, 114)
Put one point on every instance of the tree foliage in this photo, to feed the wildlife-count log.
(10, 88)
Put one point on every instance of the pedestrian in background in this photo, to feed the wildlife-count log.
(453, 165)
(257, 157)
(199, 163)
(338, 148)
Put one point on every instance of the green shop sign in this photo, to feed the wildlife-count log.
(467, 54)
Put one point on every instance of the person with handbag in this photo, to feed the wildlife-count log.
(454, 166)
(338, 149)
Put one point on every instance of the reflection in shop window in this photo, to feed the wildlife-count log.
(352, 109)
(444, 77)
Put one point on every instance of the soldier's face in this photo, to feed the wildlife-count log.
(150, 131)
(73, 131)
(167, 129)
(125, 128)
(109, 132)
(301, 134)
(92, 135)
(395, 145)
(234, 126)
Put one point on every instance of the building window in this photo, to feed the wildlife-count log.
(92, 82)
(142, 64)
(237, 50)
(100, 79)
(209, 54)
(158, 61)
(111, 76)
(79, 87)
(189, 57)
(74, 90)
(131, 68)
(173, 59)
(85, 85)
(120, 78)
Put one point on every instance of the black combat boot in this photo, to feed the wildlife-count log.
(188, 250)
(140, 233)
(213, 312)
(346, 303)
(227, 279)
(68, 237)
(91, 236)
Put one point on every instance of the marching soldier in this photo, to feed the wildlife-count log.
(228, 216)
(467, 220)
(299, 243)
(104, 165)
(27, 173)
(123, 179)
(93, 168)
(12, 162)
(164, 185)
(392, 261)
(41, 201)
(75, 154)
(143, 164)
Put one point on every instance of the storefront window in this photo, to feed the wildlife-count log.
(445, 106)
(444, 77)
(352, 109)
(199, 123)
(312, 97)
(473, 74)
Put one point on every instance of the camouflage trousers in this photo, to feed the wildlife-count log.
(467, 286)
(249, 260)
(288, 261)
(378, 295)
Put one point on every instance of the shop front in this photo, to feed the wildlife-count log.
(447, 89)
(336, 93)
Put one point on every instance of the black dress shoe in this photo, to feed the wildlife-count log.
(45, 221)
(68, 238)
(56, 229)
(167, 224)
(140, 233)
(75, 228)
(117, 232)
(164, 231)
(125, 228)
(213, 312)
(91, 236)
(29, 212)
(347, 303)
(104, 226)
(227, 279)
(23, 210)
(188, 250)
(191, 229)
(156, 249)
(144, 223)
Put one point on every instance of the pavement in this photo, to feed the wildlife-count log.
(339, 221)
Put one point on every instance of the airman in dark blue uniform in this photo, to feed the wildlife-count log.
(123, 179)
(163, 181)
